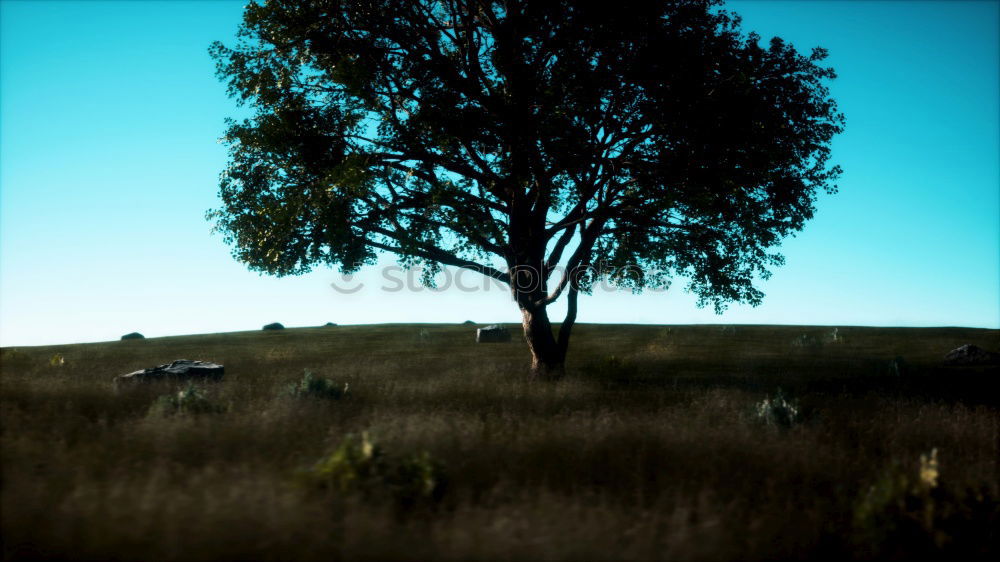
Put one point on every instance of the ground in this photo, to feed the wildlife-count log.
(657, 445)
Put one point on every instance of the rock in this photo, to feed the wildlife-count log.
(134, 336)
(327, 325)
(182, 369)
(492, 334)
(273, 326)
(970, 354)
(468, 323)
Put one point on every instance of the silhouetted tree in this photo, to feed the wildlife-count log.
(545, 144)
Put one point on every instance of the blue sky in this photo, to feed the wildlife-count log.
(110, 114)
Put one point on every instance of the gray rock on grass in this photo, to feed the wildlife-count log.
(182, 369)
(492, 334)
(969, 354)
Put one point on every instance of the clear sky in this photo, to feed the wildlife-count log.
(110, 114)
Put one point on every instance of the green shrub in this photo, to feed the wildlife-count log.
(353, 465)
(315, 387)
(358, 465)
(14, 360)
(57, 360)
(190, 400)
(778, 410)
(908, 513)
(415, 479)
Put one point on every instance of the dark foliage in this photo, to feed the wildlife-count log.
(636, 142)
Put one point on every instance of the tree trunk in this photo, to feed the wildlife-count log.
(548, 352)
(547, 355)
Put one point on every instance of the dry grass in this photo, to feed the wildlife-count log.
(658, 455)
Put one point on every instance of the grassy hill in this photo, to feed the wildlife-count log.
(657, 445)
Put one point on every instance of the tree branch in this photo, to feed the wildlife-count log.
(437, 255)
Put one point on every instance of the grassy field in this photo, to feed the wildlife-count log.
(655, 446)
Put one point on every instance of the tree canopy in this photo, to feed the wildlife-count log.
(638, 141)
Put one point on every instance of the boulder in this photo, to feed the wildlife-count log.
(970, 354)
(134, 336)
(492, 334)
(273, 326)
(182, 369)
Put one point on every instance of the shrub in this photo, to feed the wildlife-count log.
(353, 465)
(12, 359)
(314, 387)
(190, 400)
(612, 368)
(835, 336)
(358, 465)
(898, 367)
(910, 512)
(778, 410)
(417, 478)
(57, 360)
(806, 341)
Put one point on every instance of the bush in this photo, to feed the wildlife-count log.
(612, 368)
(191, 400)
(913, 513)
(898, 367)
(354, 465)
(57, 360)
(358, 465)
(417, 478)
(806, 341)
(778, 410)
(314, 387)
(12, 360)
(835, 336)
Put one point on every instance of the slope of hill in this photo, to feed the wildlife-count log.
(663, 442)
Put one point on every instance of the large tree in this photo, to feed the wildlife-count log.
(545, 144)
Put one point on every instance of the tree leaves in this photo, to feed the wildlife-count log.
(648, 140)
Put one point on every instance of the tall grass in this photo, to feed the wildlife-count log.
(657, 453)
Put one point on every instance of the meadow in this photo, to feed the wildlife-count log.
(658, 445)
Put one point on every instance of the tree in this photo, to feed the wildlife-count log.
(546, 144)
